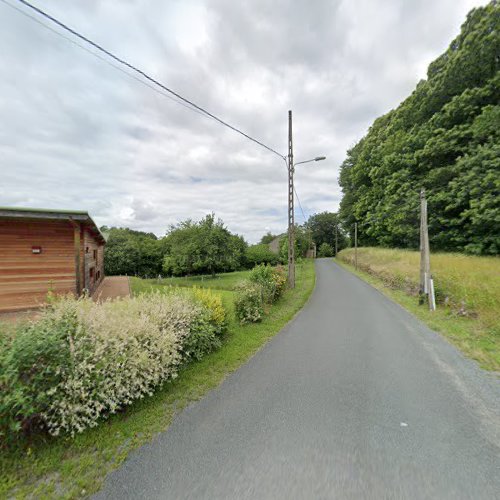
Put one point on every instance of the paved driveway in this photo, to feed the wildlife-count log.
(113, 287)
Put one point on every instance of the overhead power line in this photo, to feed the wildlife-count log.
(173, 96)
(115, 66)
(300, 204)
(142, 74)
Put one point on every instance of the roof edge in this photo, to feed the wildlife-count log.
(50, 214)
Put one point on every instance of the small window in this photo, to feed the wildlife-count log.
(95, 254)
(98, 275)
(87, 249)
(91, 272)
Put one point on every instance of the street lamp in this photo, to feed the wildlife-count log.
(318, 158)
(292, 232)
(291, 217)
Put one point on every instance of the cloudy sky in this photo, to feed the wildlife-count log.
(77, 133)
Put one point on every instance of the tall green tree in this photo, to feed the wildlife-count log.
(202, 247)
(302, 243)
(267, 238)
(444, 137)
(323, 227)
(131, 252)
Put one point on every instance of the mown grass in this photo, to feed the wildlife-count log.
(226, 281)
(467, 292)
(74, 468)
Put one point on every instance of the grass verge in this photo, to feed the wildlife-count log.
(225, 281)
(75, 468)
(475, 336)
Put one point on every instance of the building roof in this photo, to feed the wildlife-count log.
(52, 214)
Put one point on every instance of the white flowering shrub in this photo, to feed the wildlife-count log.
(83, 360)
(248, 302)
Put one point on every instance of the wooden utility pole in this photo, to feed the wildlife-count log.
(356, 246)
(291, 217)
(336, 238)
(423, 211)
(426, 281)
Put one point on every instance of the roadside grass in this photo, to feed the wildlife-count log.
(75, 468)
(467, 291)
(226, 281)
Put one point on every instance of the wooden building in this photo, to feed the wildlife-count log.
(42, 250)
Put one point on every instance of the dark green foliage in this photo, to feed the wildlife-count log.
(303, 240)
(445, 138)
(204, 247)
(322, 227)
(132, 253)
(325, 250)
(260, 254)
(267, 238)
(202, 339)
(32, 361)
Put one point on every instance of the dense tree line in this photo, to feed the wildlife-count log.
(129, 252)
(325, 228)
(445, 138)
(208, 247)
(191, 247)
(204, 247)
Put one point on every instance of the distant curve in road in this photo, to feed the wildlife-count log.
(353, 399)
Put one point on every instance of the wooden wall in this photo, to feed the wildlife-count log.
(93, 251)
(25, 278)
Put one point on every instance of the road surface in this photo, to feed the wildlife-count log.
(353, 399)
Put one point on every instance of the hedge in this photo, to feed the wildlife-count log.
(265, 285)
(82, 361)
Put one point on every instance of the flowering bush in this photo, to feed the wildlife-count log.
(208, 327)
(248, 305)
(83, 360)
(271, 279)
(213, 303)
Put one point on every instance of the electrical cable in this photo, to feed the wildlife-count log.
(142, 73)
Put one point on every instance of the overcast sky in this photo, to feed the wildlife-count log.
(76, 133)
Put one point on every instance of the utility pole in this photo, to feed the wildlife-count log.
(291, 218)
(336, 238)
(423, 210)
(356, 246)
(426, 281)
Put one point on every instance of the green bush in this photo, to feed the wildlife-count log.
(260, 254)
(213, 303)
(206, 331)
(32, 362)
(83, 360)
(325, 250)
(201, 340)
(248, 304)
(272, 281)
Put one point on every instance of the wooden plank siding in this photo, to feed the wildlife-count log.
(25, 278)
(92, 262)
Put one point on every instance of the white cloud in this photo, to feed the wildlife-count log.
(77, 133)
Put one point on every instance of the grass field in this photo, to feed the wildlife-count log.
(74, 468)
(225, 281)
(467, 292)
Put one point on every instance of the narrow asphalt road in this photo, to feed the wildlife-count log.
(354, 399)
